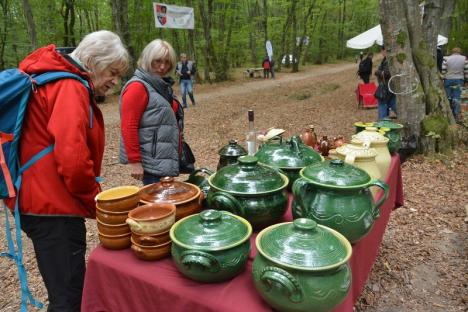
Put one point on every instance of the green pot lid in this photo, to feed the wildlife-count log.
(304, 245)
(232, 149)
(336, 173)
(248, 177)
(387, 123)
(289, 154)
(211, 230)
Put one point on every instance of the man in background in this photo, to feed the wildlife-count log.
(455, 71)
(186, 69)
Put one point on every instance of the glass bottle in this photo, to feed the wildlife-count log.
(324, 146)
(251, 135)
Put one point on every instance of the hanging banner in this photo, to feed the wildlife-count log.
(172, 16)
(269, 49)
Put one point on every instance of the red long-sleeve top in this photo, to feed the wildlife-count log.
(134, 102)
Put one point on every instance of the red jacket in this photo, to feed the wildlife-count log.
(64, 181)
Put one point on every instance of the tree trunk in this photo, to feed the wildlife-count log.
(210, 57)
(304, 33)
(423, 107)
(4, 32)
(121, 26)
(295, 65)
(30, 24)
(265, 19)
(284, 45)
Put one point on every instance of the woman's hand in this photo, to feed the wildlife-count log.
(136, 170)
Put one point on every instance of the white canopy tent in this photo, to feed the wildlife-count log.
(374, 36)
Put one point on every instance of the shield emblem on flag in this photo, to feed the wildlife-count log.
(161, 14)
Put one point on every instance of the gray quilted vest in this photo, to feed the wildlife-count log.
(158, 132)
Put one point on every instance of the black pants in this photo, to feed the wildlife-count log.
(60, 247)
(365, 78)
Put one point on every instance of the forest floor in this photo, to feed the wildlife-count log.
(422, 263)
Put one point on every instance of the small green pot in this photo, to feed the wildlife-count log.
(212, 246)
(302, 266)
(199, 177)
(393, 133)
(337, 195)
(229, 153)
(253, 191)
(290, 156)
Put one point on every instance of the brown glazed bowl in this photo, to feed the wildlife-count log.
(115, 242)
(110, 217)
(151, 253)
(118, 199)
(185, 196)
(112, 229)
(151, 239)
(152, 218)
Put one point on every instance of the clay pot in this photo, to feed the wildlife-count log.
(185, 196)
(151, 253)
(110, 217)
(212, 246)
(152, 218)
(251, 190)
(115, 242)
(302, 266)
(151, 239)
(112, 229)
(309, 137)
(337, 195)
(338, 141)
(118, 199)
(324, 146)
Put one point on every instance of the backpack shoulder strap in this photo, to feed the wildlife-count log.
(44, 78)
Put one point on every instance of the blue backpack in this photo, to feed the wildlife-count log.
(15, 89)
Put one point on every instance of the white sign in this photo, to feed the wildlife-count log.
(172, 16)
(269, 49)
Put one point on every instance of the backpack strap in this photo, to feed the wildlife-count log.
(6, 137)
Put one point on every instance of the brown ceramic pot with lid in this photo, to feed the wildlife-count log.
(185, 196)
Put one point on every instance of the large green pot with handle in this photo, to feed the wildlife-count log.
(212, 246)
(289, 155)
(337, 195)
(251, 190)
(302, 266)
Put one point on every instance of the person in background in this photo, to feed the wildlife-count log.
(439, 59)
(58, 191)
(272, 68)
(387, 104)
(186, 70)
(361, 56)
(455, 71)
(151, 117)
(266, 67)
(365, 68)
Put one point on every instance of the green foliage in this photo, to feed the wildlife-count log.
(435, 124)
(401, 38)
(401, 57)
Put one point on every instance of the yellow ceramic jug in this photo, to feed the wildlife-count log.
(371, 137)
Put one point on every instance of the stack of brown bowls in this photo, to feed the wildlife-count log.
(150, 225)
(112, 208)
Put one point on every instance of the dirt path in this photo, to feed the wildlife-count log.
(422, 264)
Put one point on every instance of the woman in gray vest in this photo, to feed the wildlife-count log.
(150, 127)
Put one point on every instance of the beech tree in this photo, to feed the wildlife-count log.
(410, 37)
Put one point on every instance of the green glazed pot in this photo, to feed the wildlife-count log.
(394, 133)
(337, 195)
(302, 266)
(253, 191)
(362, 125)
(199, 177)
(290, 156)
(212, 246)
(228, 154)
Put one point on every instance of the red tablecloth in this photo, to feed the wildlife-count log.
(118, 281)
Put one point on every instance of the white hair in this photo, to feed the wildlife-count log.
(100, 49)
(157, 50)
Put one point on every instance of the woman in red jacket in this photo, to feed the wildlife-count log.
(57, 192)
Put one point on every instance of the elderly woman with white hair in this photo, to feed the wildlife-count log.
(151, 117)
(58, 190)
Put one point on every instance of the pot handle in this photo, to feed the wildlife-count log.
(225, 201)
(349, 159)
(133, 224)
(206, 171)
(296, 189)
(207, 261)
(270, 275)
(376, 208)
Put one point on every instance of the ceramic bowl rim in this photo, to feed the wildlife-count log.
(130, 187)
(172, 211)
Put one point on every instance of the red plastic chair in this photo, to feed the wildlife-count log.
(365, 95)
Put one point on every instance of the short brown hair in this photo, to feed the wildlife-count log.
(456, 50)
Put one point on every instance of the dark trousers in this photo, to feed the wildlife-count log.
(60, 247)
(148, 178)
(365, 78)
